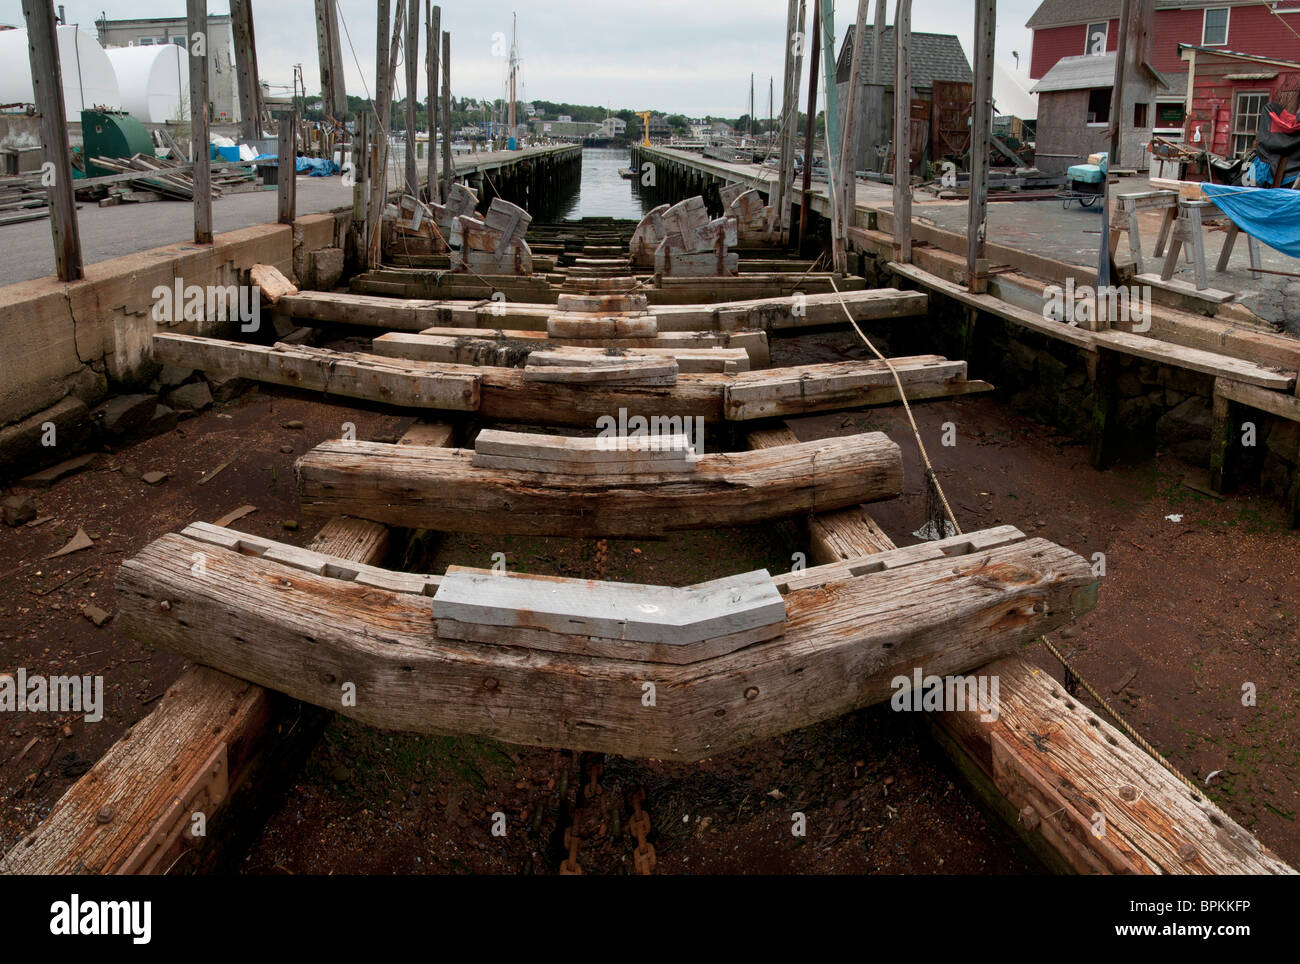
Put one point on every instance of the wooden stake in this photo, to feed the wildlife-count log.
(361, 188)
(832, 98)
(286, 163)
(849, 147)
(47, 87)
(981, 131)
(1121, 74)
(197, 25)
(903, 131)
(878, 45)
(412, 85)
(794, 44)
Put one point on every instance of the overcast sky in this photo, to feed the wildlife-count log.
(684, 56)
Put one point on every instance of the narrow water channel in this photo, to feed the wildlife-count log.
(603, 192)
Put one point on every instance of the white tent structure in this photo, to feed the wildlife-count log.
(88, 77)
(1011, 92)
(154, 81)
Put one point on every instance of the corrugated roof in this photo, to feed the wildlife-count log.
(935, 56)
(1084, 72)
(1064, 13)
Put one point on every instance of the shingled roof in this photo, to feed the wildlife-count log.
(1063, 13)
(935, 56)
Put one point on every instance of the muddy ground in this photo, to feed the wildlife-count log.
(1190, 610)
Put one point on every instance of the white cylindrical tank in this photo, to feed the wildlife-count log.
(154, 82)
(88, 77)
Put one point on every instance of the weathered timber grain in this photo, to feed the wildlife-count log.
(512, 348)
(443, 489)
(844, 643)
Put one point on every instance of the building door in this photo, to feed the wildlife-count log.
(1246, 118)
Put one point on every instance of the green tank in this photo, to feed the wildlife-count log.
(107, 133)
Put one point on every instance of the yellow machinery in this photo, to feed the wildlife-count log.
(645, 127)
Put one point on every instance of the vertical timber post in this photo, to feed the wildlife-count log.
(47, 87)
(432, 41)
(903, 132)
(980, 133)
(794, 43)
(412, 86)
(197, 45)
(878, 45)
(286, 175)
(849, 142)
(447, 171)
(361, 188)
(250, 89)
(809, 129)
(828, 73)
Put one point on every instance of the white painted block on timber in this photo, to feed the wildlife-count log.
(610, 610)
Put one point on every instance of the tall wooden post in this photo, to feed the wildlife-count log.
(848, 159)
(980, 134)
(1121, 74)
(878, 45)
(794, 44)
(361, 188)
(432, 43)
(448, 171)
(809, 130)
(250, 88)
(47, 88)
(903, 131)
(828, 72)
(197, 45)
(412, 87)
(286, 175)
(325, 56)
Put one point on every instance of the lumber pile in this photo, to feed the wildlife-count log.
(622, 484)
(168, 178)
(494, 245)
(23, 198)
(694, 246)
(307, 630)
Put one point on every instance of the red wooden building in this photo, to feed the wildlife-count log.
(1260, 28)
(1228, 91)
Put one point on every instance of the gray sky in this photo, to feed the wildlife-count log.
(685, 56)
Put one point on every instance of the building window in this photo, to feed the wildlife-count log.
(1099, 105)
(1140, 116)
(146, 41)
(1096, 38)
(1245, 120)
(1215, 31)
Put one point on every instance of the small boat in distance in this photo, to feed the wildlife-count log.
(627, 173)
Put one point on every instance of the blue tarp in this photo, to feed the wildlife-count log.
(1270, 214)
(317, 166)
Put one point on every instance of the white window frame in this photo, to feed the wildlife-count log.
(1156, 116)
(1233, 131)
(1087, 37)
(1227, 25)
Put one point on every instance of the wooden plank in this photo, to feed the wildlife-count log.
(574, 325)
(287, 176)
(480, 346)
(1194, 359)
(269, 624)
(684, 625)
(601, 370)
(563, 448)
(445, 490)
(1273, 402)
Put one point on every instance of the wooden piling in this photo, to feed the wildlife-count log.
(903, 132)
(447, 170)
(47, 88)
(981, 132)
(848, 185)
(433, 24)
(197, 27)
(286, 167)
(250, 90)
(412, 85)
(809, 136)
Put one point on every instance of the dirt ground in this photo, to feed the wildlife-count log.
(1197, 606)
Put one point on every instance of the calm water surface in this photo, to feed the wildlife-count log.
(603, 193)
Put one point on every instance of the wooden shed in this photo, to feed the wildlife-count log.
(1226, 94)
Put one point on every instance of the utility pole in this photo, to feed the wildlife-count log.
(47, 88)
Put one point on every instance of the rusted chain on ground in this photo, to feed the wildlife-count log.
(643, 855)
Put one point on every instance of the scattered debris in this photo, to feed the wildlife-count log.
(234, 515)
(75, 544)
(153, 478)
(19, 509)
(96, 615)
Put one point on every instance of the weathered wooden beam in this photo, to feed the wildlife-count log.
(981, 132)
(197, 27)
(903, 131)
(250, 87)
(446, 490)
(433, 40)
(503, 393)
(287, 161)
(770, 314)
(795, 41)
(412, 87)
(848, 159)
(448, 170)
(729, 352)
(47, 90)
(268, 623)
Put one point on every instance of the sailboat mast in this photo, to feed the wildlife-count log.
(514, 66)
